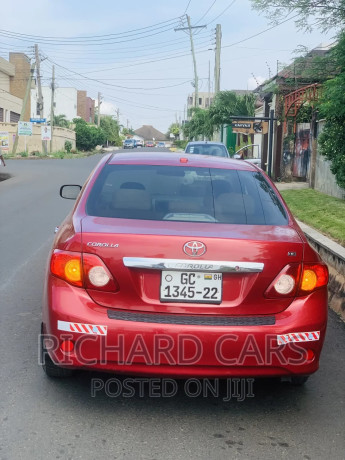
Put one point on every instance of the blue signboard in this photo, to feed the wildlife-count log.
(38, 120)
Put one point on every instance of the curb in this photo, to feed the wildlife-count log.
(333, 254)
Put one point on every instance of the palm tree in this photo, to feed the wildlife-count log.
(61, 120)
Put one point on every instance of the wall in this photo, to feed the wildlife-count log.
(324, 179)
(34, 142)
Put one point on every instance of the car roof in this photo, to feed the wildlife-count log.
(174, 159)
(205, 142)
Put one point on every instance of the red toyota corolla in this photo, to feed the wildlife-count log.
(182, 265)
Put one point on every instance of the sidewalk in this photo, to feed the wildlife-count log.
(331, 252)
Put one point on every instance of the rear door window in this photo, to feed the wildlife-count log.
(185, 194)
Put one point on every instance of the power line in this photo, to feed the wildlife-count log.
(88, 37)
(185, 11)
(202, 17)
(260, 33)
(224, 11)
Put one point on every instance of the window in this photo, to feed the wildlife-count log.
(14, 117)
(200, 100)
(170, 193)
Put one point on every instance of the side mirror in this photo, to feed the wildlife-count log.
(70, 192)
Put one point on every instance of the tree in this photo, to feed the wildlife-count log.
(199, 125)
(87, 136)
(111, 129)
(324, 14)
(227, 104)
(61, 120)
(331, 140)
(174, 129)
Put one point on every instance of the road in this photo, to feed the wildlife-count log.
(43, 418)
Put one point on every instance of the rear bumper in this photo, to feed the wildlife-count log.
(180, 350)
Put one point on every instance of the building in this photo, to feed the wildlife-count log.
(10, 106)
(19, 81)
(85, 107)
(149, 133)
(205, 100)
(67, 101)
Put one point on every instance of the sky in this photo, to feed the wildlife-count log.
(131, 53)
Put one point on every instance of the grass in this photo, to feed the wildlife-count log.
(322, 212)
(59, 154)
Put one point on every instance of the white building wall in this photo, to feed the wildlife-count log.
(65, 102)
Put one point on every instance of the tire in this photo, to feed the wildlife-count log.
(48, 365)
(298, 380)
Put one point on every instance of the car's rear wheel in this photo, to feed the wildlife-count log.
(48, 365)
(296, 380)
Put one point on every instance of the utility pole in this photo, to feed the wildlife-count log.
(40, 95)
(25, 101)
(196, 80)
(217, 59)
(118, 116)
(209, 84)
(52, 110)
(270, 145)
(99, 110)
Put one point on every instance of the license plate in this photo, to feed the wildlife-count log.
(199, 287)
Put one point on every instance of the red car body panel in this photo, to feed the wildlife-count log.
(245, 349)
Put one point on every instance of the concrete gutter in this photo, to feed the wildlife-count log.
(334, 256)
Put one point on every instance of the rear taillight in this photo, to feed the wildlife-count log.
(286, 283)
(314, 276)
(82, 270)
(296, 280)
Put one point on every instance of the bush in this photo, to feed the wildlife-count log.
(87, 136)
(68, 146)
(180, 144)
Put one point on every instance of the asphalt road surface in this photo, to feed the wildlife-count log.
(43, 418)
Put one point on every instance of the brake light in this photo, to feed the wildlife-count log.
(314, 276)
(294, 280)
(67, 266)
(82, 270)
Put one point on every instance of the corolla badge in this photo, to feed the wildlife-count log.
(194, 249)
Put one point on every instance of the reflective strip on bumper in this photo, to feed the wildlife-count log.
(298, 337)
(81, 328)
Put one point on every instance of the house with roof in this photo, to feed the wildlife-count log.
(149, 133)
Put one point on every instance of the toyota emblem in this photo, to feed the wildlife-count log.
(194, 249)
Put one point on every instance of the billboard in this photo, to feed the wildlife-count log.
(46, 133)
(24, 128)
(4, 141)
(249, 127)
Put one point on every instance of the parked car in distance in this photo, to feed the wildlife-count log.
(185, 266)
(129, 144)
(241, 154)
(217, 149)
(139, 143)
(149, 144)
(160, 144)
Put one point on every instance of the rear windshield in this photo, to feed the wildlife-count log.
(179, 193)
(208, 149)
